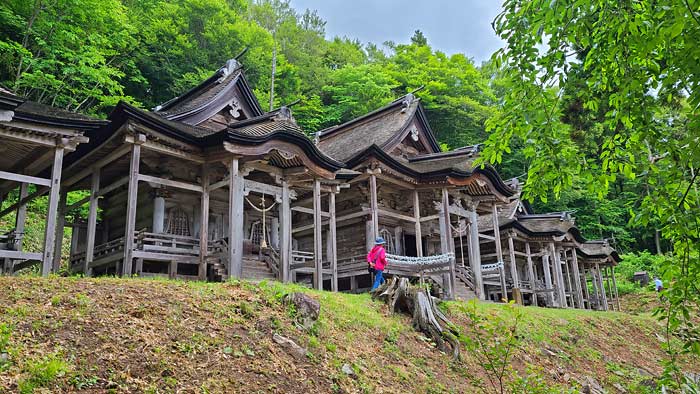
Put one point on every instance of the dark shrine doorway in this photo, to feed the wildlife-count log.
(409, 241)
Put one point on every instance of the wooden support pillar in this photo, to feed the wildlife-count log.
(513, 263)
(548, 281)
(374, 206)
(60, 228)
(20, 221)
(606, 307)
(132, 197)
(318, 237)
(531, 273)
(596, 291)
(584, 283)
(172, 270)
(50, 232)
(138, 266)
(452, 277)
(499, 250)
(558, 277)
(286, 237)
(21, 217)
(159, 210)
(475, 253)
(614, 281)
(334, 247)
(235, 215)
(204, 225)
(416, 216)
(611, 302)
(577, 279)
(567, 277)
(92, 222)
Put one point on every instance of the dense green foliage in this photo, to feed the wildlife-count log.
(86, 55)
(603, 95)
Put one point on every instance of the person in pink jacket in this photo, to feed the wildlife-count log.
(377, 261)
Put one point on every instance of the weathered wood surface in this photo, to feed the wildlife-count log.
(402, 297)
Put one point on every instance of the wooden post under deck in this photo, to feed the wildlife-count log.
(586, 294)
(601, 287)
(558, 278)
(204, 225)
(416, 215)
(92, 222)
(513, 263)
(318, 237)
(235, 212)
(374, 206)
(20, 221)
(60, 228)
(531, 273)
(596, 292)
(451, 280)
(617, 297)
(50, 232)
(548, 281)
(132, 197)
(499, 251)
(611, 303)
(286, 226)
(334, 245)
(577, 278)
(475, 253)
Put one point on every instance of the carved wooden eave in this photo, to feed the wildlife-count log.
(287, 150)
(164, 144)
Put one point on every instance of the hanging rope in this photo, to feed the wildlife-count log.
(263, 210)
(427, 260)
(462, 229)
(491, 267)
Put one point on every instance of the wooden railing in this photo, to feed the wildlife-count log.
(10, 240)
(465, 275)
(167, 243)
(272, 258)
(301, 259)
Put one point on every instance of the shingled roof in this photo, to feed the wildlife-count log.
(210, 96)
(378, 127)
(457, 160)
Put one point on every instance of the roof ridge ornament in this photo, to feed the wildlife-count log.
(228, 68)
(407, 101)
(284, 113)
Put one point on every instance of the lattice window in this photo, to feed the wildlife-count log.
(256, 232)
(177, 222)
(389, 238)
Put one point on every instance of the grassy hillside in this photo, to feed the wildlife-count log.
(153, 336)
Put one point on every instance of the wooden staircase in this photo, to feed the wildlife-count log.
(255, 268)
(464, 287)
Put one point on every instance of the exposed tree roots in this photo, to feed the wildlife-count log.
(403, 297)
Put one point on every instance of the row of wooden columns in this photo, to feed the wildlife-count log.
(446, 240)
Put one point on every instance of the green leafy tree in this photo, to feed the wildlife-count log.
(638, 57)
(70, 54)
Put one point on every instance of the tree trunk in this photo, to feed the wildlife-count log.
(403, 297)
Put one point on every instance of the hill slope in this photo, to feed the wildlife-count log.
(115, 335)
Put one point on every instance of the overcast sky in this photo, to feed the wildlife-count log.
(450, 25)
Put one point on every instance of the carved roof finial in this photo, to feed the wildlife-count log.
(407, 101)
(230, 66)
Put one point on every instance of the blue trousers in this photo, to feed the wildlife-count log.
(378, 279)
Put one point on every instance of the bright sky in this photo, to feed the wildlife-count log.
(450, 25)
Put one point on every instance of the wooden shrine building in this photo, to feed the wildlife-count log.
(210, 186)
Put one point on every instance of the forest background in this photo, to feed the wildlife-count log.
(86, 55)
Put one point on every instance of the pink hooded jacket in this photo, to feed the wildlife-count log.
(378, 256)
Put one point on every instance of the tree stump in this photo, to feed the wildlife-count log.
(402, 297)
